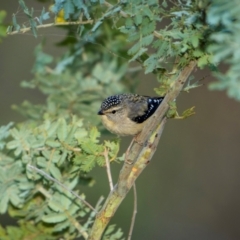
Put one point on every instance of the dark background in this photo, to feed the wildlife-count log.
(191, 188)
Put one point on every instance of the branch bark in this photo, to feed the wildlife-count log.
(140, 155)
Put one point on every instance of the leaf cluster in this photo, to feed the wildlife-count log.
(195, 30)
(223, 17)
(78, 81)
(70, 93)
(158, 48)
(64, 150)
(72, 10)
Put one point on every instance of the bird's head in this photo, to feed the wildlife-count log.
(113, 108)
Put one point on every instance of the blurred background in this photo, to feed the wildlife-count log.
(191, 188)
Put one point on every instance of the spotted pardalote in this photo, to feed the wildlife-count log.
(126, 114)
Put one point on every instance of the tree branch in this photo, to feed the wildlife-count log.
(26, 29)
(140, 156)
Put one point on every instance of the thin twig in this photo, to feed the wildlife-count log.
(108, 168)
(134, 211)
(23, 30)
(62, 185)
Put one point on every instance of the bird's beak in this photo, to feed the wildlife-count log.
(100, 112)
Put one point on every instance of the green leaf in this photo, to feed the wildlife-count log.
(203, 61)
(81, 5)
(88, 164)
(197, 53)
(4, 133)
(195, 41)
(147, 12)
(52, 143)
(100, 160)
(63, 157)
(68, 8)
(15, 200)
(137, 19)
(62, 129)
(55, 172)
(129, 22)
(164, 4)
(42, 162)
(54, 218)
(73, 209)
(138, 54)
(61, 226)
(109, 233)
(147, 40)
(72, 183)
(26, 185)
(90, 147)
(133, 36)
(15, 24)
(23, 5)
(135, 48)
(54, 204)
(151, 63)
(94, 135)
(4, 203)
(51, 129)
(59, 202)
(42, 59)
(44, 16)
(148, 27)
(113, 147)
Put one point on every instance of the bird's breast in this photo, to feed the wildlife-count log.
(123, 127)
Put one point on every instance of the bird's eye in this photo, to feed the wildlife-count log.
(113, 111)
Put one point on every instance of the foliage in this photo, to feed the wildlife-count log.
(224, 17)
(64, 150)
(71, 91)
(60, 137)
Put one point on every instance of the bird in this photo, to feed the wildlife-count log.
(127, 114)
